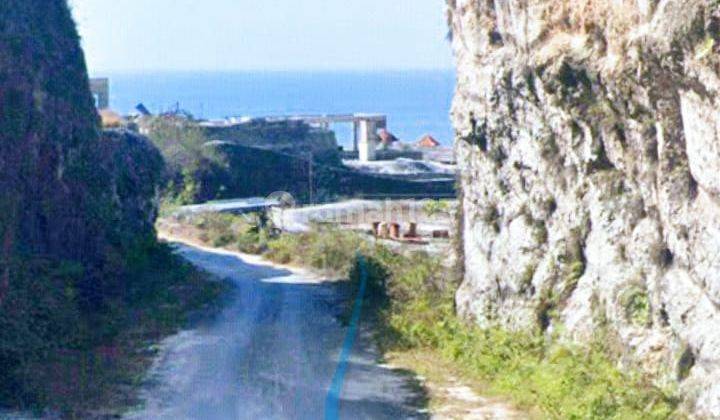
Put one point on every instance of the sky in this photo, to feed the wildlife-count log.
(235, 35)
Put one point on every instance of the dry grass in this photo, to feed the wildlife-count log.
(454, 394)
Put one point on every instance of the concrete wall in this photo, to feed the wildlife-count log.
(100, 89)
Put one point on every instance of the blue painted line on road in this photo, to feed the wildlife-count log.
(332, 403)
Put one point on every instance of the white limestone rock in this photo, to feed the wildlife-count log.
(589, 157)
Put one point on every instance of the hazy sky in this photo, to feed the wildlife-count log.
(143, 35)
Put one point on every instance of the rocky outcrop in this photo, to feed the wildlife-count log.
(589, 146)
(290, 137)
(134, 168)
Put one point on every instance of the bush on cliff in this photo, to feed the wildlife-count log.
(189, 165)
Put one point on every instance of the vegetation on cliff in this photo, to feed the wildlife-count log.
(84, 286)
(188, 165)
(536, 372)
(587, 132)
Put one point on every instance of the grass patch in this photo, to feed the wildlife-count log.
(436, 207)
(245, 234)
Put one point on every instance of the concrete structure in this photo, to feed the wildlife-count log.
(366, 131)
(365, 127)
(100, 89)
(412, 231)
(238, 206)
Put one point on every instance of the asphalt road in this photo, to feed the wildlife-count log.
(272, 354)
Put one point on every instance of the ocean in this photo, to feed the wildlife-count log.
(416, 102)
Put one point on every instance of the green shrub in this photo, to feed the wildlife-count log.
(57, 352)
(190, 169)
(562, 381)
(636, 303)
(253, 242)
(223, 230)
(540, 232)
(575, 271)
(435, 207)
(526, 280)
(284, 249)
(328, 250)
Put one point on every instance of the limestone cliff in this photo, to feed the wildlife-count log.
(47, 125)
(57, 175)
(74, 202)
(65, 187)
(589, 145)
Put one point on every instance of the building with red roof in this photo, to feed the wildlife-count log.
(428, 142)
(387, 138)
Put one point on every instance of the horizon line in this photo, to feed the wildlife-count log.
(272, 70)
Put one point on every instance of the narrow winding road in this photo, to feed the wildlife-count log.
(272, 354)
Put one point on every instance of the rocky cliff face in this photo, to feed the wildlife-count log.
(47, 127)
(75, 203)
(65, 188)
(589, 142)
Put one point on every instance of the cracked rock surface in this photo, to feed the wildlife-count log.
(588, 136)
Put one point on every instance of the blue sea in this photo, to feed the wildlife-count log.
(416, 103)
